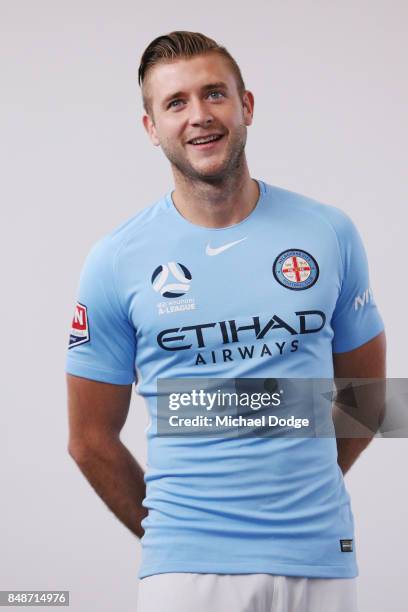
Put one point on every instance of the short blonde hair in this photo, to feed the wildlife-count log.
(181, 44)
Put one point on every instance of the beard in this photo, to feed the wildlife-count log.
(230, 161)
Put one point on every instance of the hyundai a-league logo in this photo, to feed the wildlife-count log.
(296, 269)
(171, 280)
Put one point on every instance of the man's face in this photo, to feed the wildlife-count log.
(198, 97)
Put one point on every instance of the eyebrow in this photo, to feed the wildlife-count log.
(217, 85)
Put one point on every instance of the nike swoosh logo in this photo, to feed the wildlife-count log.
(221, 249)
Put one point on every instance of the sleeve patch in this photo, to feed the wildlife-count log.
(80, 328)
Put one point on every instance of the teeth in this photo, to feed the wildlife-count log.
(203, 140)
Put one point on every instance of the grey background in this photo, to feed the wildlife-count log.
(330, 121)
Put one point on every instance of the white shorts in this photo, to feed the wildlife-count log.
(188, 592)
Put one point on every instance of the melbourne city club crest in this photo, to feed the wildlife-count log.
(296, 269)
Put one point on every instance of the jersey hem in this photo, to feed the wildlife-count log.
(281, 569)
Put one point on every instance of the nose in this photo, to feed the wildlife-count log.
(200, 113)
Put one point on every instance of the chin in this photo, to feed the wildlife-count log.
(211, 169)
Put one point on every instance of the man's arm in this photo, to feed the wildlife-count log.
(97, 412)
(367, 361)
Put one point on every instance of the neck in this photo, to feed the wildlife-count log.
(215, 204)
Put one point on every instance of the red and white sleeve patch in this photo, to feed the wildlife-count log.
(80, 328)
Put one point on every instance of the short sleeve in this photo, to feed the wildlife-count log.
(355, 319)
(102, 342)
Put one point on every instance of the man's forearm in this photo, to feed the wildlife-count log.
(117, 478)
(348, 450)
(355, 427)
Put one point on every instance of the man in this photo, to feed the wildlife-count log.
(223, 277)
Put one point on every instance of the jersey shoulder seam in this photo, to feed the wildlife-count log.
(124, 242)
(313, 207)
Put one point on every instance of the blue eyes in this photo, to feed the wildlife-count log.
(171, 104)
(216, 92)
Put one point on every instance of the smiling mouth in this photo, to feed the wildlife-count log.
(207, 145)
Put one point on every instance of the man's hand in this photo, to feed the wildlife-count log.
(367, 361)
(97, 412)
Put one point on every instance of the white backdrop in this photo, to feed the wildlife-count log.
(330, 88)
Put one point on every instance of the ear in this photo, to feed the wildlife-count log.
(150, 128)
(248, 103)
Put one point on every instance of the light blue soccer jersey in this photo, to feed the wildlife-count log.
(272, 296)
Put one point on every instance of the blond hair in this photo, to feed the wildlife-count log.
(181, 44)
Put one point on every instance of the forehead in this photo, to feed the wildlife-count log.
(189, 74)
